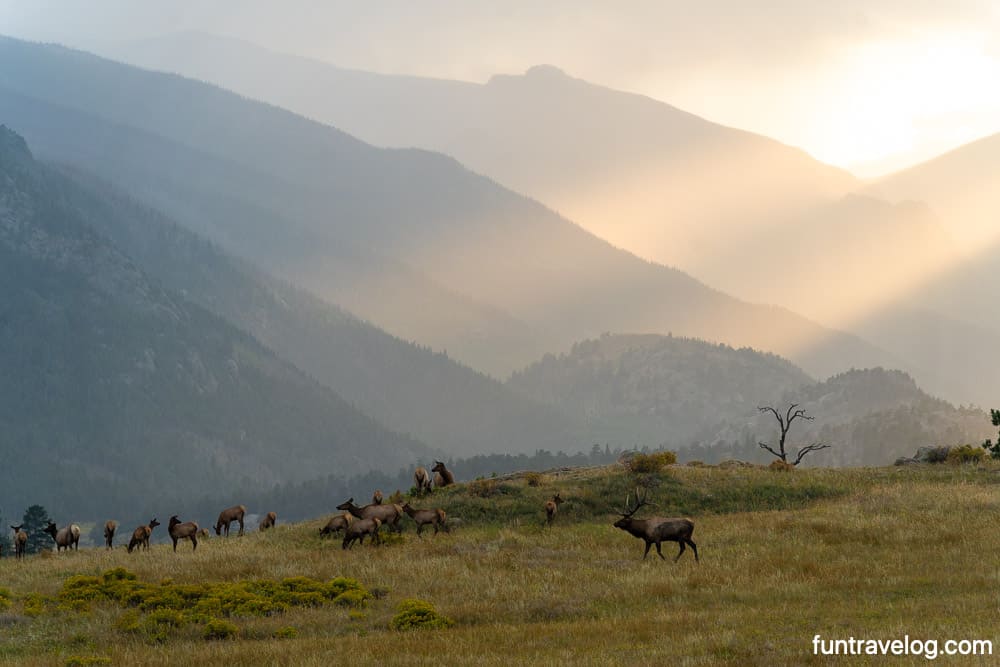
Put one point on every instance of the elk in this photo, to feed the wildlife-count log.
(204, 533)
(110, 526)
(141, 535)
(655, 530)
(20, 541)
(387, 514)
(442, 476)
(184, 531)
(422, 480)
(227, 516)
(66, 537)
(357, 530)
(423, 517)
(336, 523)
(268, 521)
(551, 507)
(377, 497)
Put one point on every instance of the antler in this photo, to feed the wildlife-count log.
(640, 501)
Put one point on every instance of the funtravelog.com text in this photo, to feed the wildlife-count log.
(928, 648)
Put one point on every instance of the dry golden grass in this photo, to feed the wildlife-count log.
(892, 552)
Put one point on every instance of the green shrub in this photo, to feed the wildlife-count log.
(4, 598)
(34, 604)
(966, 454)
(353, 598)
(83, 660)
(645, 464)
(483, 488)
(128, 622)
(118, 574)
(219, 629)
(287, 632)
(534, 478)
(164, 617)
(416, 614)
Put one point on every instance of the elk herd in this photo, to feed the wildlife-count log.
(357, 522)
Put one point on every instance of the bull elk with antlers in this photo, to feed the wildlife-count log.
(656, 529)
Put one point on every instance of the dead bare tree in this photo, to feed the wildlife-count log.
(784, 424)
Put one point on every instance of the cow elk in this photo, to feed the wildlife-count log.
(442, 476)
(184, 531)
(434, 517)
(141, 535)
(336, 524)
(655, 530)
(358, 529)
(110, 527)
(227, 516)
(551, 507)
(20, 541)
(268, 521)
(388, 514)
(66, 537)
(422, 480)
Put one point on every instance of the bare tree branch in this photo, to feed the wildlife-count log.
(768, 408)
(764, 446)
(815, 447)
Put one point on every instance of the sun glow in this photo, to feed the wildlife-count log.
(902, 101)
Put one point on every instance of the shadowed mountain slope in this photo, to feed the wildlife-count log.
(114, 382)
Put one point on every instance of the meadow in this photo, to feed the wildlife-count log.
(877, 553)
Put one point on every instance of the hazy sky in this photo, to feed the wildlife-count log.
(871, 85)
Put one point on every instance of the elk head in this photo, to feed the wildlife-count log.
(625, 522)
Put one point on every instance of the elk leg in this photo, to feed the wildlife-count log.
(693, 548)
(420, 529)
(680, 542)
(658, 552)
(646, 552)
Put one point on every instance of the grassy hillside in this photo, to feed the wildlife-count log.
(784, 556)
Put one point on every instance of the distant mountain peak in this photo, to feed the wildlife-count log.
(544, 70)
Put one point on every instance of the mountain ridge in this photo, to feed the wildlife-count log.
(459, 229)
